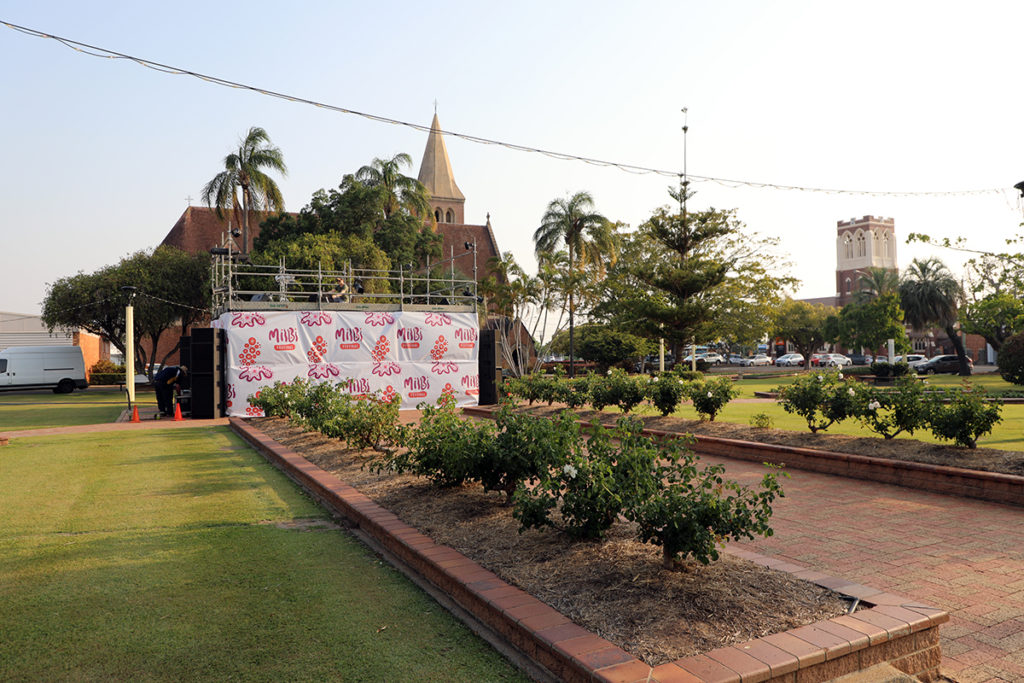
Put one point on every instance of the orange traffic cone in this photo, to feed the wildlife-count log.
(177, 413)
(135, 414)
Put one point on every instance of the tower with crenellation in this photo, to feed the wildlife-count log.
(862, 243)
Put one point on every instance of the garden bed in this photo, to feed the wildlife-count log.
(615, 589)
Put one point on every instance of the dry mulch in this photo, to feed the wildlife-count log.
(984, 459)
(616, 588)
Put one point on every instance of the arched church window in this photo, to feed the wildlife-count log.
(847, 246)
(886, 247)
(449, 216)
(437, 215)
(862, 247)
(849, 285)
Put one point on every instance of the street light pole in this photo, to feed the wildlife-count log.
(129, 354)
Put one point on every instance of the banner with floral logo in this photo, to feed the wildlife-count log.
(417, 355)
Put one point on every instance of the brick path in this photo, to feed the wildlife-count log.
(963, 556)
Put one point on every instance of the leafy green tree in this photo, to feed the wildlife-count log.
(995, 317)
(803, 325)
(327, 252)
(244, 172)
(401, 191)
(876, 282)
(929, 294)
(603, 345)
(172, 287)
(705, 275)
(588, 237)
(870, 323)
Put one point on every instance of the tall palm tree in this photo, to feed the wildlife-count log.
(587, 235)
(876, 282)
(244, 171)
(929, 294)
(402, 191)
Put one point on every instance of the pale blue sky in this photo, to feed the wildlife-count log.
(99, 155)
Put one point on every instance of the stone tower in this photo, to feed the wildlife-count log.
(862, 243)
(446, 200)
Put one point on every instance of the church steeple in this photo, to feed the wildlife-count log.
(446, 199)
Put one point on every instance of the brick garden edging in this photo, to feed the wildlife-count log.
(894, 629)
(994, 487)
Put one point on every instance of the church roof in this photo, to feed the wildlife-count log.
(200, 229)
(436, 169)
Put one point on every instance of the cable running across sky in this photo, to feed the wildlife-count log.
(104, 53)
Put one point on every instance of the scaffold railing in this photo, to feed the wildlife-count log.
(239, 285)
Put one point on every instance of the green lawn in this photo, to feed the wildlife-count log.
(43, 409)
(157, 555)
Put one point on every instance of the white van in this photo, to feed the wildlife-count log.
(61, 368)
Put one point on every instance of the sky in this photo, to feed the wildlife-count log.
(100, 155)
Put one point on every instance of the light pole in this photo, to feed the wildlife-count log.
(129, 354)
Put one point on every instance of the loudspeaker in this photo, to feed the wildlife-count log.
(489, 366)
(206, 350)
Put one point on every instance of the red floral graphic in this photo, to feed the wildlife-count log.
(323, 370)
(250, 352)
(247, 320)
(253, 411)
(386, 369)
(440, 348)
(448, 391)
(379, 318)
(319, 350)
(315, 318)
(380, 349)
(255, 373)
(388, 395)
(383, 368)
(438, 319)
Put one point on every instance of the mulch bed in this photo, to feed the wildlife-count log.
(616, 588)
(984, 459)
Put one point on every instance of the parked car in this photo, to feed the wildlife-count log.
(912, 359)
(945, 363)
(816, 359)
(834, 360)
(759, 359)
(735, 359)
(861, 358)
(713, 358)
(789, 360)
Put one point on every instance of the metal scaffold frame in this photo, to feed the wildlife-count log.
(242, 286)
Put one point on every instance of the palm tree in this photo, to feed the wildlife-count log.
(876, 282)
(243, 170)
(401, 190)
(586, 234)
(929, 294)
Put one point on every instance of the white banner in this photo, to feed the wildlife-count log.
(414, 354)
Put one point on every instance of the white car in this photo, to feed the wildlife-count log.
(913, 359)
(834, 360)
(759, 359)
(713, 358)
(789, 359)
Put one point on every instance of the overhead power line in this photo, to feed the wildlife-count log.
(105, 53)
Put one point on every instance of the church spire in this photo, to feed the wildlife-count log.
(435, 172)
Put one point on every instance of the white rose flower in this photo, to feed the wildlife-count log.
(821, 378)
(874, 405)
(851, 392)
(654, 379)
(570, 471)
(840, 375)
(709, 395)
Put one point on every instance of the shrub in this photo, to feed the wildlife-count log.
(444, 447)
(709, 397)
(968, 416)
(616, 389)
(1011, 359)
(696, 510)
(573, 392)
(665, 391)
(688, 375)
(881, 368)
(889, 413)
(761, 421)
(525, 449)
(594, 486)
(821, 398)
(106, 367)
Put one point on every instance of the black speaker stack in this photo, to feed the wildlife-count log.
(489, 365)
(205, 363)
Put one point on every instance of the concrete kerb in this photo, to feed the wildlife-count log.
(549, 647)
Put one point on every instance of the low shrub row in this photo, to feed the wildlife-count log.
(580, 481)
(619, 389)
(957, 415)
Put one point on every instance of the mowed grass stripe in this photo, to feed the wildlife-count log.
(161, 560)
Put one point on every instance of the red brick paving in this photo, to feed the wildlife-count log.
(961, 555)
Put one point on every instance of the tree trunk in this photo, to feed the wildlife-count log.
(245, 220)
(572, 346)
(961, 353)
